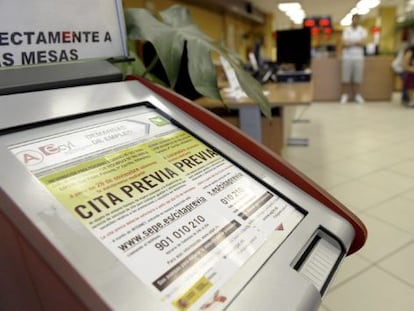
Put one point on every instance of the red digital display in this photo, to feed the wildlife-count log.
(315, 30)
(321, 22)
(325, 22)
(309, 22)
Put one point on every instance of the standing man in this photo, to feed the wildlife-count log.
(354, 39)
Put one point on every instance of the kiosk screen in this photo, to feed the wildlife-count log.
(182, 216)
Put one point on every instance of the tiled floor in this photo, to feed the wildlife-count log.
(364, 156)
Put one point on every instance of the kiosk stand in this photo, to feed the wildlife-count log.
(121, 195)
(122, 198)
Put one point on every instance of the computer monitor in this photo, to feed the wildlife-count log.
(294, 47)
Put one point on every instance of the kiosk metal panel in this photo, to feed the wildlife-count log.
(170, 214)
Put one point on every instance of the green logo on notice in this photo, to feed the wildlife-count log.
(159, 121)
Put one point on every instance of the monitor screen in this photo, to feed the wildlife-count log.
(294, 47)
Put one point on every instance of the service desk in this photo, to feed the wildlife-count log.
(376, 86)
(273, 132)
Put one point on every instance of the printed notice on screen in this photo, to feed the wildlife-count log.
(159, 198)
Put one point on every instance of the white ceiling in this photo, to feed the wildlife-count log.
(337, 9)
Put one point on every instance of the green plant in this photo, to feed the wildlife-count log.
(405, 25)
(173, 31)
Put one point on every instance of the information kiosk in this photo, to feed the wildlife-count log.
(136, 204)
(121, 195)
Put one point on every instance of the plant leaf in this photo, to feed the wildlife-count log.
(168, 43)
(254, 90)
(136, 66)
(180, 18)
(201, 69)
(200, 65)
(250, 86)
(169, 38)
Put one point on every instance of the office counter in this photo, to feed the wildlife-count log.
(377, 84)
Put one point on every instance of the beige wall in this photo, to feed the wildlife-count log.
(236, 32)
(388, 40)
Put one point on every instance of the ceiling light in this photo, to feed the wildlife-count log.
(288, 6)
(293, 10)
(296, 14)
(363, 7)
(367, 4)
(362, 11)
(347, 20)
